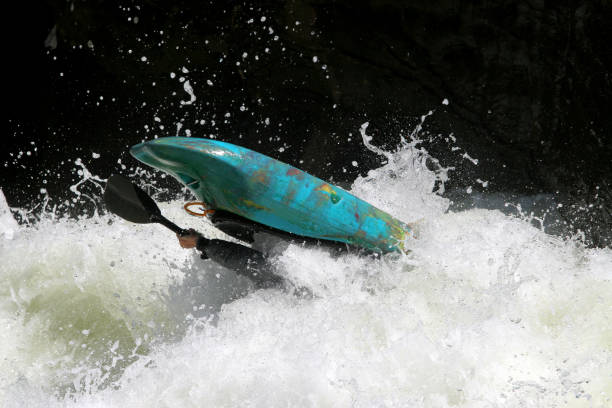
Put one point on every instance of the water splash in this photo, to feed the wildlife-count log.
(485, 310)
(417, 179)
(8, 224)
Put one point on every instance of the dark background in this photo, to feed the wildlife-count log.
(528, 85)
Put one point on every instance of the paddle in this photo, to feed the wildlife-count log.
(131, 203)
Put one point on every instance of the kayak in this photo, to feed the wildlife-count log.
(267, 191)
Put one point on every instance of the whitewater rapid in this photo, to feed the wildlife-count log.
(485, 310)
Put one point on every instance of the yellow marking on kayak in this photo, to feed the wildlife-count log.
(326, 188)
(253, 204)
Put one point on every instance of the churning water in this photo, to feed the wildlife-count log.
(485, 310)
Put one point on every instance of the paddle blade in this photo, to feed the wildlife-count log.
(128, 201)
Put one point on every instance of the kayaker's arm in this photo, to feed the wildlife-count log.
(242, 260)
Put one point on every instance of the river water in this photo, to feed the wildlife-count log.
(485, 310)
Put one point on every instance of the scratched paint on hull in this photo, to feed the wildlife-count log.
(273, 193)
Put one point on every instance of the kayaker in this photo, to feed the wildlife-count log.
(241, 259)
(131, 203)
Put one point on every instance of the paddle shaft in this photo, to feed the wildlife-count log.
(160, 219)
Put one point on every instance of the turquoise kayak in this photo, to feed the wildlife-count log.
(270, 192)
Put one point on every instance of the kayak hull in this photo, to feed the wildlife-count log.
(273, 193)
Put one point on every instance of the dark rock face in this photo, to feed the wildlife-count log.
(528, 84)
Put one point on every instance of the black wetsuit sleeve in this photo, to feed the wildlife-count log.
(240, 259)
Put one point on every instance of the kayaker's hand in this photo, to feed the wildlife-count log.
(190, 240)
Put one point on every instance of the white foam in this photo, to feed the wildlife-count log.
(508, 315)
(8, 224)
(485, 310)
